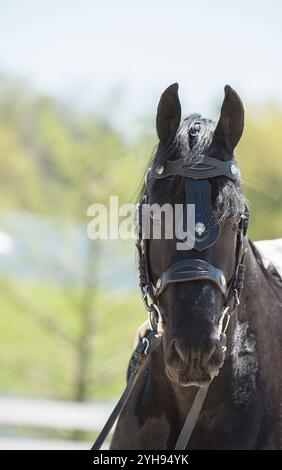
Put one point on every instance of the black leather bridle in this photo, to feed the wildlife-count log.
(198, 191)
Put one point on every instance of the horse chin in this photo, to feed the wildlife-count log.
(184, 381)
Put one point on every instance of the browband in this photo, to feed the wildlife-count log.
(192, 270)
(209, 167)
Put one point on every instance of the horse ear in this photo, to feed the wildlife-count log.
(168, 114)
(231, 122)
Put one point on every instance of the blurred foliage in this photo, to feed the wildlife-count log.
(56, 162)
(260, 157)
(74, 343)
(57, 341)
(40, 345)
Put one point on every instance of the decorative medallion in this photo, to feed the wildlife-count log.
(200, 228)
(234, 169)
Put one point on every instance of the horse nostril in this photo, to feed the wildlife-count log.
(210, 353)
(197, 363)
(215, 356)
(180, 352)
(176, 355)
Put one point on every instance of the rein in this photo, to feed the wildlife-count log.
(207, 231)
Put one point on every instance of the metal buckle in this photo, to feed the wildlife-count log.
(236, 297)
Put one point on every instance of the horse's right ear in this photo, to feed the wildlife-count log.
(168, 114)
(231, 122)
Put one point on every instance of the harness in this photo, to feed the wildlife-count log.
(207, 230)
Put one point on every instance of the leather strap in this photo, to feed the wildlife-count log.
(208, 168)
(115, 414)
(192, 418)
(146, 346)
(191, 270)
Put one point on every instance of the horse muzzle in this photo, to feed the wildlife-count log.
(191, 365)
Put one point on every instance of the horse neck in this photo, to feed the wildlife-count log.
(242, 353)
(256, 327)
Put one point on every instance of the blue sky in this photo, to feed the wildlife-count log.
(125, 52)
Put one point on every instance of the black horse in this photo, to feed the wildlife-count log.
(243, 408)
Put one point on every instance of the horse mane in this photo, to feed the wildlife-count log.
(270, 272)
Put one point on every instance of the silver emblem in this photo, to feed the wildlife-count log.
(200, 228)
(160, 170)
(234, 169)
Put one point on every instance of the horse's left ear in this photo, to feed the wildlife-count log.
(168, 114)
(231, 122)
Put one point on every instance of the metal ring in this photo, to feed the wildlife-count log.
(236, 295)
(145, 296)
(226, 324)
(158, 311)
(160, 321)
(147, 306)
(156, 323)
(145, 340)
(150, 320)
(220, 323)
(223, 314)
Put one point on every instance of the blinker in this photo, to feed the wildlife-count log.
(207, 227)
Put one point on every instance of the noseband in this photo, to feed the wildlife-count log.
(207, 231)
